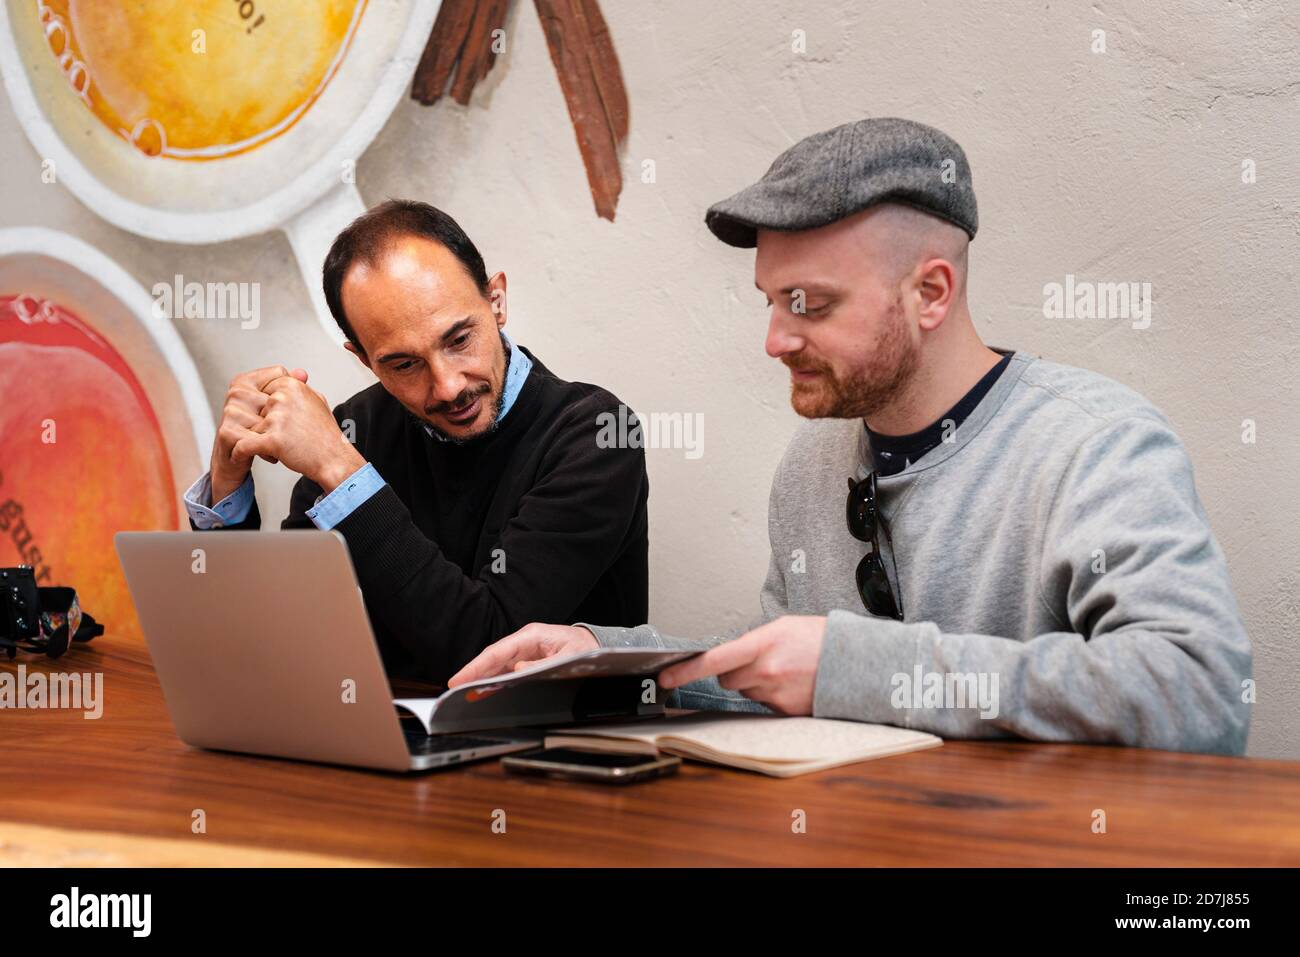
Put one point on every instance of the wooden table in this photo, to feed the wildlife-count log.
(123, 789)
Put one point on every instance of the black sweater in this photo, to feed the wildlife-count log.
(568, 518)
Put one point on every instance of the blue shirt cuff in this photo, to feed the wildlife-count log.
(231, 510)
(331, 509)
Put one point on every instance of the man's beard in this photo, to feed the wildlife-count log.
(496, 407)
(862, 392)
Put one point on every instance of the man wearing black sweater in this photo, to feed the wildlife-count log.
(469, 482)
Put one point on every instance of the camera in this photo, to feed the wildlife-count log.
(20, 607)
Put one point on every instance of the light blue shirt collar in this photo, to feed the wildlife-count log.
(517, 371)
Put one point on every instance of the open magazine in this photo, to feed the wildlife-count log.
(592, 685)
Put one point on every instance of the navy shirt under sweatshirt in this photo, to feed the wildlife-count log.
(891, 454)
(466, 543)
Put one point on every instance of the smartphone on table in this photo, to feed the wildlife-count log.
(605, 767)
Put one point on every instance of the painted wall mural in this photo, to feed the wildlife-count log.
(198, 121)
(466, 39)
(216, 92)
(96, 458)
(102, 420)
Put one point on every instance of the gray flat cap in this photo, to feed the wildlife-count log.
(830, 175)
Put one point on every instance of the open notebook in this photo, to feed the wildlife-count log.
(770, 744)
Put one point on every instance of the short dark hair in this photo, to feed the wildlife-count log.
(370, 233)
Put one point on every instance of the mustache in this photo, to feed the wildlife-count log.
(458, 404)
(797, 363)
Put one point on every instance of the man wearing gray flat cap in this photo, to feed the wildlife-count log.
(1022, 551)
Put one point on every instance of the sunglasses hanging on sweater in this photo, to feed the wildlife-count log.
(865, 524)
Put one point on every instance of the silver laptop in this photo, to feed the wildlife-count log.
(262, 645)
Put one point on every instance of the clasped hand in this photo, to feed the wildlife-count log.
(274, 414)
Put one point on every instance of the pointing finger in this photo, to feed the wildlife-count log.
(725, 657)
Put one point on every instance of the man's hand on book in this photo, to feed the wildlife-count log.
(775, 664)
(527, 646)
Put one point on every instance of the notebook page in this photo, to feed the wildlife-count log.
(767, 738)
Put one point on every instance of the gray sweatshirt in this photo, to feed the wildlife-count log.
(1058, 575)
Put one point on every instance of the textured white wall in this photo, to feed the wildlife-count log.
(1114, 167)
